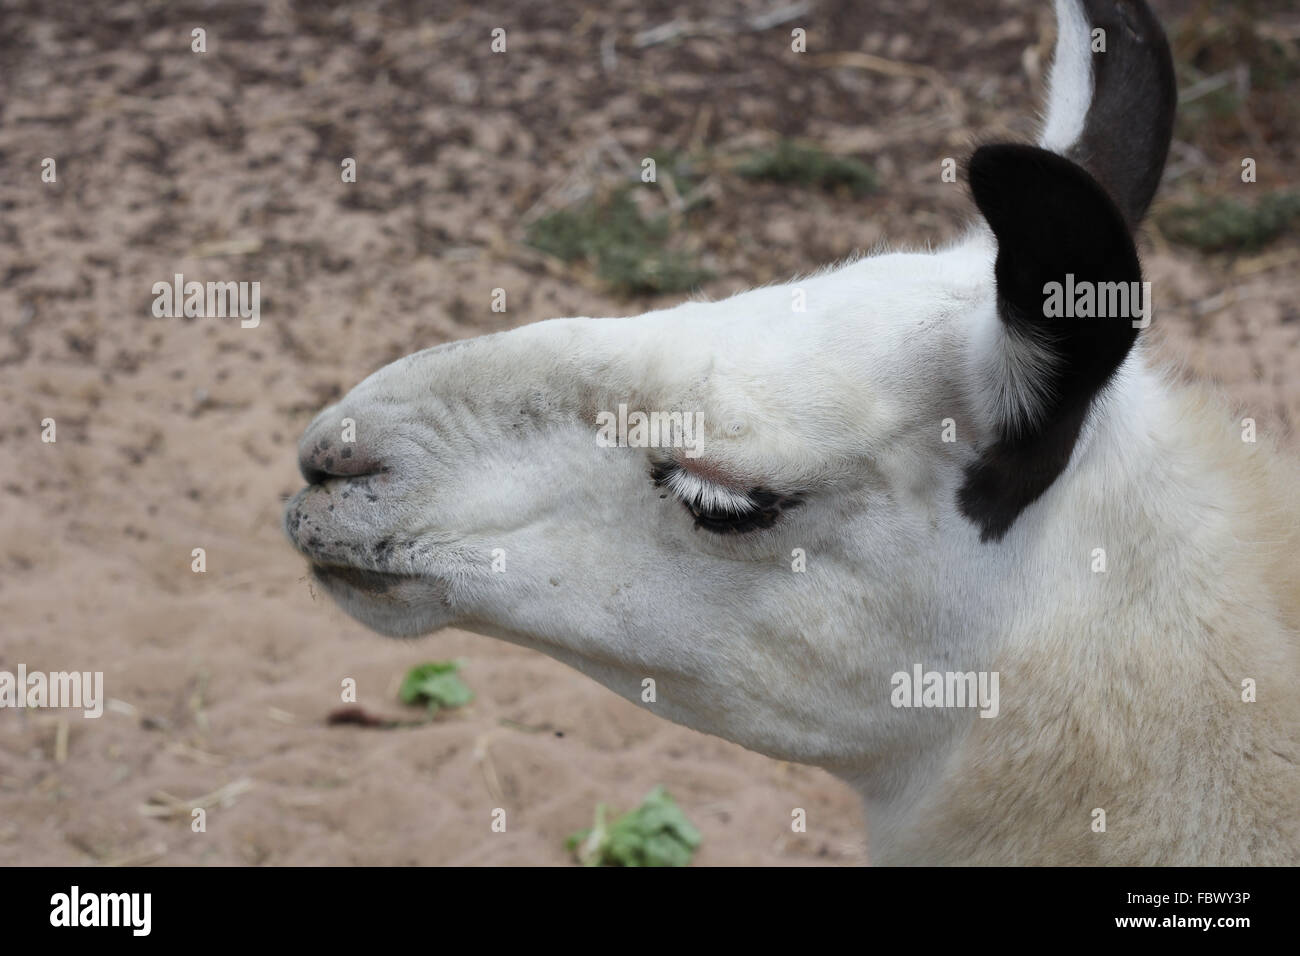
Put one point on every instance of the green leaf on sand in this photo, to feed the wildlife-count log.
(435, 684)
(656, 833)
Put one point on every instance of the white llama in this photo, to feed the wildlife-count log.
(945, 454)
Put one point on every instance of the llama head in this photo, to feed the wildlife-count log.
(765, 505)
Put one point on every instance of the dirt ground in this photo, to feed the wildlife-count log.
(175, 434)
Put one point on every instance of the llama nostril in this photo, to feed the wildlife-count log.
(322, 460)
(312, 475)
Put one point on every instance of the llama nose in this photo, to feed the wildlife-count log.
(325, 454)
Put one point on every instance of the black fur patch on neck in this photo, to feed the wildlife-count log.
(1130, 121)
(1050, 218)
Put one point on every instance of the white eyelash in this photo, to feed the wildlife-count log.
(704, 495)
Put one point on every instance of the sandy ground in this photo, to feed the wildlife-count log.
(176, 434)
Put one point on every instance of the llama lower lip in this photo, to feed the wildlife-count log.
(398, 605)
(361, 579)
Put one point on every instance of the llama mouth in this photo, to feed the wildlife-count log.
(358, 579)
(397, 605)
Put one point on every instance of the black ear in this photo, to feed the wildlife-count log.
(1054, 224)
(1130, 119)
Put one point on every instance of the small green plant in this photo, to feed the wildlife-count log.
(656, 833)
(435, 684)
(629, 253)
(1229, 225)
(805, 165)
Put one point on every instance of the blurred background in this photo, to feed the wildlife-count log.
(475, 170)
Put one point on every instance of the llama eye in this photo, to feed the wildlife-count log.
(719, 509)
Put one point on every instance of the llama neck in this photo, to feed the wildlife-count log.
(1136, 579)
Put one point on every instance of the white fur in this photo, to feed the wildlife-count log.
(1070, 82)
